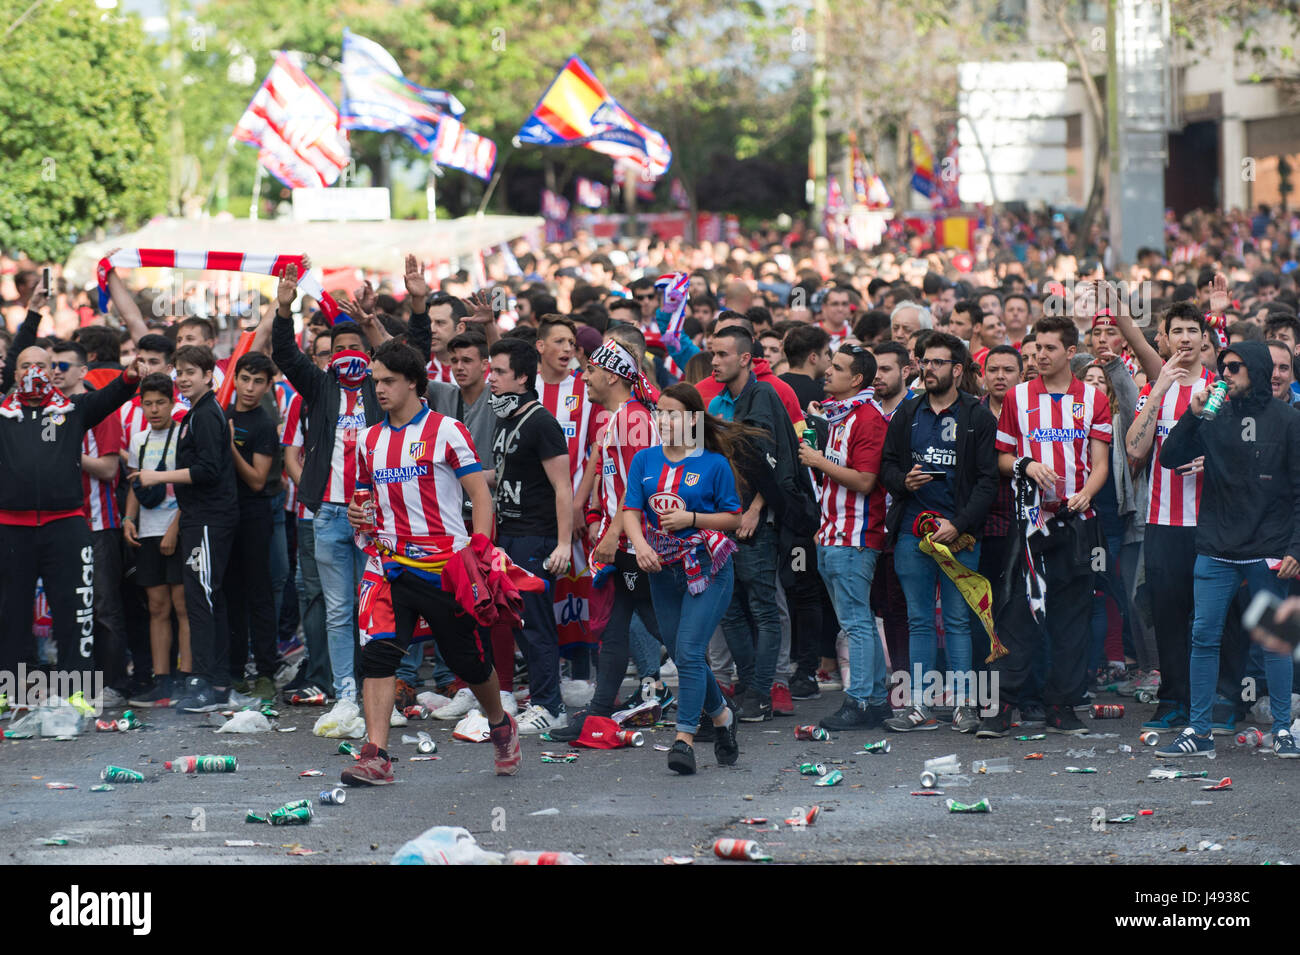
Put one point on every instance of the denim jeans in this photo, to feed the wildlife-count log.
(279, 555)
(311, 608)
(1216, 584)
(687, 622)
(848, 572)
(918, 573)
(340, 563)
(644, 649)
(752, 623)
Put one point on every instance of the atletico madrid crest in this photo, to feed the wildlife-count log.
(416, 449)
(1078, 409)
(691, 480)
(570, 402)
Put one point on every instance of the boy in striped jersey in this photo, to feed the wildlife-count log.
(1169, 543)
(1052, 437)
(419, 466)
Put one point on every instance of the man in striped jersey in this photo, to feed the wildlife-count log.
(154, 354)
(852, 528)
(1052, 437)
(418, 465)
(1169, 542)
(100, 461)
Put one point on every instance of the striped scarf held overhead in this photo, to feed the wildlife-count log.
(213, 262)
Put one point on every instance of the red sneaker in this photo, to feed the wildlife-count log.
(782, 702)
(505, 739)
(370, 769)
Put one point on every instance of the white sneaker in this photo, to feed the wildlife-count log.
(397, 719)
(508, 703)
(460, 704)
(538, 719)
(112, 699)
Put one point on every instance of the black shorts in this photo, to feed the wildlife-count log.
(454, 632)
(153, 568)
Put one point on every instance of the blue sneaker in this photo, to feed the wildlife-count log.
(1284, 746)
(1168, 716)
(1188, 744)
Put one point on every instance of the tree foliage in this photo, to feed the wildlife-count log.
(83, 131)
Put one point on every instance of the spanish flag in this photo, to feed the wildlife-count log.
(576, 110)
(922, 165)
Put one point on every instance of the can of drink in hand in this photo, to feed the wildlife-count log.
(813, 769)
(333, 797)
(630, 738)
(811, 732)
(745, 850)
(362, 499)
(1214, 404)
(1108, 711)
(116, 774)
(810, 437)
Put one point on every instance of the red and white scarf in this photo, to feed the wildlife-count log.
(675, 288)
(213, 262)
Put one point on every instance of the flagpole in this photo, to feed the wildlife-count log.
(257, 195)
(496, 177)
(431, 191)
(216, 176)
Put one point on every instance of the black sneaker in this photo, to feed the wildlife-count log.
(199, 697)
(681, 758)
(804, 687)
(1032, 714)
(1061, 719)
(161, 694)
(881, 711)
(726, 746)
(851, 715)
(754, 708)
(705, 732)
(567, 734)
(297, 684)
(996, 727)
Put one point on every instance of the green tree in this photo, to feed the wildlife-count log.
(82, 138)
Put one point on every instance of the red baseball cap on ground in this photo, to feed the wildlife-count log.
(599, 732)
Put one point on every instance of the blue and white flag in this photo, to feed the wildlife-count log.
(378, 97)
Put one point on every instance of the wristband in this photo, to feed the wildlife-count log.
(1022, 466)
(592, 516)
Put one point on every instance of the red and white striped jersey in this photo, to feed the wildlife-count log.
(569, 405)
(438, 371)
(1055, 430)
(103, 440)
(627, 431)
(851, 519)
(294, 441)
(1175, 497)
(290, 404)
(837, 338)
(133, 420)
(351, 422)
(414, 473)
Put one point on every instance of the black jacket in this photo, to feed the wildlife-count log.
(1250, 495)
(203, 446)
(40, 449)
(320, 398)
(976, 480)
(772, 468)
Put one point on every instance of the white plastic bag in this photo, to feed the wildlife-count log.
(577, 693)
(343, 722)
(445, 845)
(246, 721)
(432, 701)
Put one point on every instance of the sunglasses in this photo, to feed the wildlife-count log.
(645, 298)
(65, 365)
(1234, 367)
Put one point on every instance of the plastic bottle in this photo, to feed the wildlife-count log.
(521, 857)
(1250, 739)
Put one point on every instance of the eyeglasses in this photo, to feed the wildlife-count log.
(322, 354)
(936, 363)
(1233, 367)
(645, 298)
(65, 365)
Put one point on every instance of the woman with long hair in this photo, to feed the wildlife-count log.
(681, 501)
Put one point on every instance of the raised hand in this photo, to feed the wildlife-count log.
(480, 307)
(416, 286)
(287, 290)
(1219, 294)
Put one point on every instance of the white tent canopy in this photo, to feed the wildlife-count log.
(366, 245)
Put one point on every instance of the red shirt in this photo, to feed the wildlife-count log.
(849, 518)
(630, 429)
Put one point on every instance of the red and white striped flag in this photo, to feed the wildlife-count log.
(213, 262)
(295, 127)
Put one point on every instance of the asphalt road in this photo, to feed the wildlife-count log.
(624, 806)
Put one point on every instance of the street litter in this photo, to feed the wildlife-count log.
(881, 746)
(422, 759)
(1177, 774)
(661, 748)
(927, 792)
(333, 797)
(116, 774)
(344, 721)
(982, 806)
(244, 843)
(1146, 812)
(1127, 817)
(1081, 753)
(432, 701)
(202, 764)
(1029, 739)
(1208, 846)
(422, 741)
(1080, 769)
(522, 857)
(61, 786)
(807, 819)
(101, 788)
(1150, 738)
(832, 779)
(999, 764)
(576, 694)
(246, 721)
(646, 713)
(297, 813)
(679, 860)
(811, 733)
(445, 845)
(754, 821)
(546, 812)
(1220, 786)
(559, 757)
(1036, 756)
(310, 772)
(745, 850)
(301, 851)
(813, 769)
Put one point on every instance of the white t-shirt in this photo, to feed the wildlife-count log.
(154, 521)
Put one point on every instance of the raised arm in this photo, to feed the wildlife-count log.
(302, 373)
(124, 302)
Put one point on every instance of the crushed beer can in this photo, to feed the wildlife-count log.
(880, 746)
(291, 815)
(416, 712)
(1220, 786)
(313, 699)
(813, 769)
(1146, 812)
(1149, 738)
(1030, 739)
(982, 806)
(1107, 711)
(744, 850)
(1036, 756)
(831, 779)
(807, 819)
(559, 757)
(1177, 774)
(678, 860)
(1127, 817)
(333, 797)
(116, 774)
(630, 737)
(101, 788)
(812, 733)
(1080, 769)
(347, 749)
